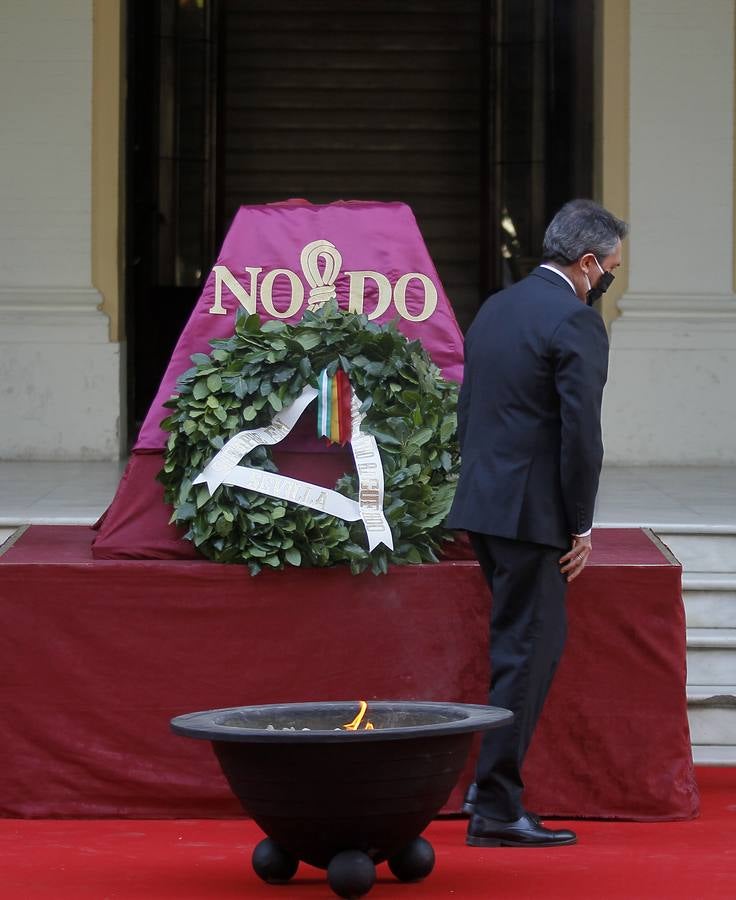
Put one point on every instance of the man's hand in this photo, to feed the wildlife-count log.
(573, 562)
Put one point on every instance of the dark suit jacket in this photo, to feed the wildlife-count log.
(536, 361)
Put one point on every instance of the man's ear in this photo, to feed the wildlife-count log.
(585, 262)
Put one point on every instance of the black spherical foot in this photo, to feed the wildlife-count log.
(414, 862)
(351, 874)
(272, 863)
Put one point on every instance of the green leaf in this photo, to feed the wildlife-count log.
(249, 413)
(223, 527)
(184, 489)
(275, 401)
(185, 511)
(448, 428)
(374, 368)
(200, 389)
(200, 359)
(283, 375)
(420, 437)
(252, 324)
(413, 555)
(308, 340)
(382, 436)
(293, 556)
(214, 383)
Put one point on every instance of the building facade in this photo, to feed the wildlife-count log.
(650, 126)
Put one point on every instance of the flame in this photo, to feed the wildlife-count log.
(355, 724)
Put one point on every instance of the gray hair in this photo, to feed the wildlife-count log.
(581, 227)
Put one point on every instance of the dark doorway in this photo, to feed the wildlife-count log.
(477, 113)
(171, 136)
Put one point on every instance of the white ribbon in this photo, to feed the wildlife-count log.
(224, 469)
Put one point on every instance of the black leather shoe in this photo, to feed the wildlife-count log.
(524, 832)
(471, 795)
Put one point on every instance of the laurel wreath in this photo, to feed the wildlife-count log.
(410, 409)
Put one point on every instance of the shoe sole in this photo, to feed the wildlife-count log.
(499, 842)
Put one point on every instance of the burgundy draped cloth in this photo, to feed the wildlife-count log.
(370, 237)
(97, 655)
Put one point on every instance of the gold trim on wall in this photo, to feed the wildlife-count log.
(107, 157)
(611, 172)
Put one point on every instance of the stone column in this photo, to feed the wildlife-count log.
(59, 371)
(672, 381)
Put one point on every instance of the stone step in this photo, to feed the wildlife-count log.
(714, 725)
(711, 639)
(711, 694)
(711, 711)
(701, 548)
(711, 656)
(714, 755)
(710, 599)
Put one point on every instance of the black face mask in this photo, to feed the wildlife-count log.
(604, 282)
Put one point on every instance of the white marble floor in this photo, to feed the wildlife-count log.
(51, 493)
(668, 496)
(78, 492)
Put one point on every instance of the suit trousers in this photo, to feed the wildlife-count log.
(528, 625)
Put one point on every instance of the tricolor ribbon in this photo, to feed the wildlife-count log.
(334, 418)
(224, 468)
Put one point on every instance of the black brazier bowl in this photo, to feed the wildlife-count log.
(342, 800)
(321, 793)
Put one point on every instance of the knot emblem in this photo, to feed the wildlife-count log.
(322, 282)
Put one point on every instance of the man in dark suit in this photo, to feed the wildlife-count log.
(536, 360)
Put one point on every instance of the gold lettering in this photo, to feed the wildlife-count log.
(370, 499)
(430, 296)
(297, 293)
(357, 292)
(247, 300)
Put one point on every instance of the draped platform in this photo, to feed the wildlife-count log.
(97, 655)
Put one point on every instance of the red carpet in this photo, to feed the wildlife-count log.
(195, 859)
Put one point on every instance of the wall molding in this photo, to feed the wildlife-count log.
(43, 315)
(678, 306)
